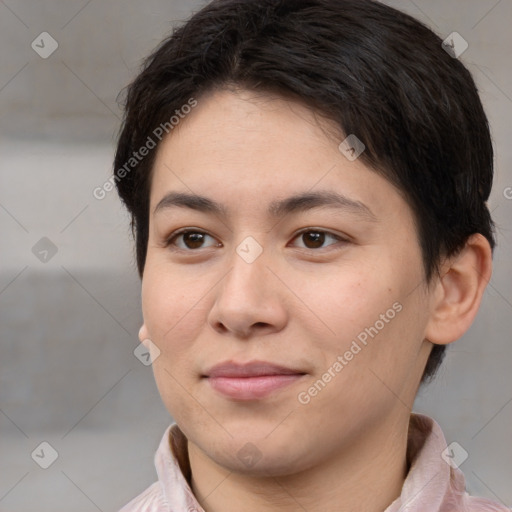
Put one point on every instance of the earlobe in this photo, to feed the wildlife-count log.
(143, 333)
(459, 291)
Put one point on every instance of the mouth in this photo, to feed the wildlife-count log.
(251, 381)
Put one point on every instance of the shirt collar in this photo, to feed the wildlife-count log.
(431, 483)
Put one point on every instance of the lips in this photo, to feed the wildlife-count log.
(251, 381)
(251, 369)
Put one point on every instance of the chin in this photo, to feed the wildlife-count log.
(269, 456)
(254, 462)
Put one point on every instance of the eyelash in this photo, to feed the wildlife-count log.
(170, 240)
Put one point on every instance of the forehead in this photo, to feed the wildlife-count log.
(245, 151)
(248, 131)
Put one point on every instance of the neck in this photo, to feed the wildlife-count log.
(366, 476)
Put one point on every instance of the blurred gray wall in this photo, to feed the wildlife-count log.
(69, 293)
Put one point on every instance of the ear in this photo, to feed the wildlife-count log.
(143, 333)
(458, 293)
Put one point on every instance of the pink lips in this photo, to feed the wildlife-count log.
(250, 381)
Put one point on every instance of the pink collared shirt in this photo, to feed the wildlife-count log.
(431, 485)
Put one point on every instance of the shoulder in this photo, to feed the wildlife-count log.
(434, 482)
(476, 504)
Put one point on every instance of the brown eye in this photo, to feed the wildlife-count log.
(190, 240)
(315, 239)
(193, 240)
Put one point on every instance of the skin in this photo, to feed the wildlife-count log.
(299, 304)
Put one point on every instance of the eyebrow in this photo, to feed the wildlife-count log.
(297, 203)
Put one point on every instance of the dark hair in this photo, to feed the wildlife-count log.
(377, 72)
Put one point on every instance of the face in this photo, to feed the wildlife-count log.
(325, 297)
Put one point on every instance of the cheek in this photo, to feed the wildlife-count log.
(379, 336)
(349, 301)
(172, 312)
(370, 319)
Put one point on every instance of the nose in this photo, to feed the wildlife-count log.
(249, 300)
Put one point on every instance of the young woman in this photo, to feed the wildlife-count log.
(307, 182)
